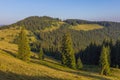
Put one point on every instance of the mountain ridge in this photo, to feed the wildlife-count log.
(48, 20)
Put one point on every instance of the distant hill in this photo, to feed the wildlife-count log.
(49, 31)
(34, 23)
(42, 23)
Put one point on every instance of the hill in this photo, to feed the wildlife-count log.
(12, 68)
(47, 32)
(35, 23)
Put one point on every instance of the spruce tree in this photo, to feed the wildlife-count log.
(79, 63)
(107, 43)
(41, 54)
(104, 61)
(68, 57)
(23, 46)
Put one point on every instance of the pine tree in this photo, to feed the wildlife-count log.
(104, 61)
(41, 54)
(23, 46)
(68, 57)
(79, 63)
(106, 43)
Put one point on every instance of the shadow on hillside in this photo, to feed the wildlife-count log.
(13, 76)
(53, 62)
(48, 64)
(90, 75)
(9, 52)
(81, 73)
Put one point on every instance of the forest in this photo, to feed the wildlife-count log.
(86, 44)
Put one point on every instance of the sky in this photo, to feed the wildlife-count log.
(12, 11)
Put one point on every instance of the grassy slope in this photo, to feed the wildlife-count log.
(10, 34)
(52, 28)
(86, 27)
(12, 68)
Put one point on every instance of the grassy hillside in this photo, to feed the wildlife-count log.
(86, 27)
(48, 31)
(12, 68)
(11, 34)
(52, 27)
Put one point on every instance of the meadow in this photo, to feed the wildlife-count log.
(12, 68)
(86, 27)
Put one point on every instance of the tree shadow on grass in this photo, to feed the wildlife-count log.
(48, 64)
(79, 73)
(9, 52)
(13, 76)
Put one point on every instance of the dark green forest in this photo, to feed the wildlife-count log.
(87, 44)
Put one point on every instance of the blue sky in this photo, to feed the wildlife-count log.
(15, 10)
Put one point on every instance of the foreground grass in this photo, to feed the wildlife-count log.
(90, 72)
(12, 68)
(15, 69)
(86, 27)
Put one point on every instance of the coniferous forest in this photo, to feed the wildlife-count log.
(86, 44)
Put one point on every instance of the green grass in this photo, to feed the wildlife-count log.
(86, 27)
(12, 68)
(52, 28)
(10, 34)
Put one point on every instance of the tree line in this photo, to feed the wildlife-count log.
(91, 55)
(51, 41)
(67, 53)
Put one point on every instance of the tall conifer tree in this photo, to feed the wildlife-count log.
(68, 57)
(23, 46)
(104, 61)
(79, 63)
(41, 54)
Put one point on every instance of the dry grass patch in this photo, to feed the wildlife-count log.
(52, 28)
(9, 34)
(14, 69)
(86, 27)
(9, 64)
(8, 47)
